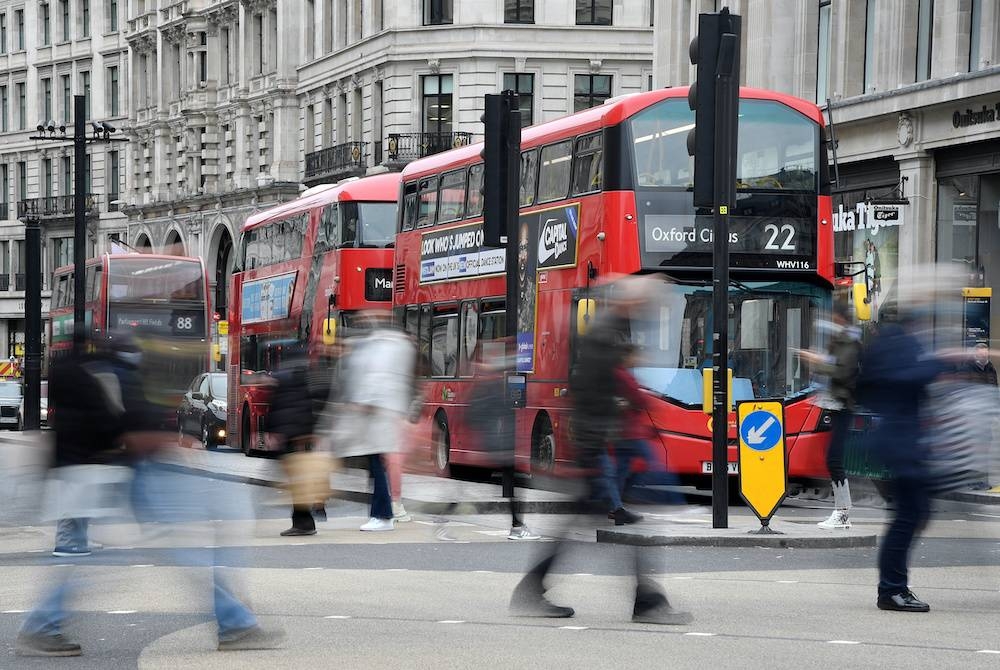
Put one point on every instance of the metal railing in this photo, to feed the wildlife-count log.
(53, 206)
(5, 282)
(405, 147)
(4, 211)
(341, 159)
(19, 281)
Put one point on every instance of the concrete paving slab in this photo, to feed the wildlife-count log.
(696, 531)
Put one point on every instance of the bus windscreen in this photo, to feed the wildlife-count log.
(155, 280)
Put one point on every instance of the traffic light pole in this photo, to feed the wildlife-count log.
(79, 218)
(31, 420)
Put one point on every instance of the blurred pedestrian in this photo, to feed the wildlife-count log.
(979, 369)
(896, 371)
(840, 366)
(298, 400)
(368, 415)
(596, 421)
(491, 416)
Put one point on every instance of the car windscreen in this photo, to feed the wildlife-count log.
(217, 384)
(10, 390)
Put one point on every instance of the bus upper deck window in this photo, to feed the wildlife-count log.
(474, 195)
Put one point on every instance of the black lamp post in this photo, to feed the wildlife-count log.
(33, 252)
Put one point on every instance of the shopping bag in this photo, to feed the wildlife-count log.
(307, 475)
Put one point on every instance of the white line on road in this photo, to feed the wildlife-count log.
(842, 642)
(483, 572)
(337, 616)
(122, 611)
(788, 581)
(14, 611)
(312, 568)
(700, 634)
(397, 570)
(988, 651)
(142, 565)
(572, 627)
(583, 574)
(452, 621)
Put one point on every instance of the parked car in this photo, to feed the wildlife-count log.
(202, 411)
(10, 404)
(43, 406)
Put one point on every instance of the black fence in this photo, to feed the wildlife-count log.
(340, 160)
(405, 147)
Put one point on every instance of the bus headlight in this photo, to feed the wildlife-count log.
(825, 421)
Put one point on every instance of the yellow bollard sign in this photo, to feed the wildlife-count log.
(763, 471)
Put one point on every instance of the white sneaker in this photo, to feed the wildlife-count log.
(378, 524)
(522, 533)
(399, 513)
(838, 520)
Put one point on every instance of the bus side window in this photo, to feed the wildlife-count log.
(427, 212)
(493, 330)
(451, 200)
(554, 172)
(469, 337)
(587, 165)
(444, 342)
(424, 340)
(474, 194)
(409, 214)
(529, 175)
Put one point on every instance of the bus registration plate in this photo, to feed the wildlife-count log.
(733, 467)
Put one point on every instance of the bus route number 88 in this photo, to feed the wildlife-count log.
(184, 323)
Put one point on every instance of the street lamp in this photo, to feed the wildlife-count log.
(33, 253)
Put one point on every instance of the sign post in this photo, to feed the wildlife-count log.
(762, 458)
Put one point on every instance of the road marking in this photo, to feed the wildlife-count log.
(483, 572)
(397, 570)
(312, 568)
(122, 611)
(700, 634)
(493, 533)
(572, 627)
(683, 577)
(142, 565)
(842, 642)
(583, 574)
(292, 544)
(211, 546)
(36, 551)
(988, 651)
(14, 611)
(788, 581)
(452, 621)
(337, 616)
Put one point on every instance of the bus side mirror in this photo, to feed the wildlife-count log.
(707, 377)
(585, 310)
(329, 331)
(862, 305)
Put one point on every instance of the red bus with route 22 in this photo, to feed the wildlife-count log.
(305, 268)
(603, 192)
(163, 301)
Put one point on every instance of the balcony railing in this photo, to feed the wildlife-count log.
(405, 147)
(19, 281)
(342, 160)
(53, 206)
(5, 282)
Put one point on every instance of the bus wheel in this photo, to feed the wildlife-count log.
(441, 444)
(245, 432)
(543, 445)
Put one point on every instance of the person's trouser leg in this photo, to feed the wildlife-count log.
(381, 507)
(71, 533)
(654, 475)
(230, 614)
(606, 484)
(507, 488)
(48, 616)
(302, 517)
(839, 426)
(912, 505)
(394, 467)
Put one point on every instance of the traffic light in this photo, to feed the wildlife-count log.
(715, 54)
(501, 165)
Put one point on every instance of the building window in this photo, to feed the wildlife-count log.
(3, 33)
(112, 17)
(85, 14)
(524, 86)
(64, 13)
(437, 108)
(590, 90)
(47, 177)
(925, 37)
(22, 106)
(87, 172)
(4, 104)
(114, 176)
(85, 86)
(19, 26)
(4, 182)
(870, 42)
(202, 57)
(113, 109)
(46, 99)
(437, 12)
(593, 12)
(519, 11)
(62, 252)
(22, 180)
(258, 40)
(67, 99)
(823, 53)
(66, 170)
(46, 24)
(975, 30)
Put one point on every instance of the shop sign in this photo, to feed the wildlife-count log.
(971, 117)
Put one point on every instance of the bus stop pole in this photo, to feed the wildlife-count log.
(79, 217)
(724, 178)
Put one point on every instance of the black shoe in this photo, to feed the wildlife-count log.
(622, 516)
(319, 513)
(529, 600)
(46, 645)
(902, 602)
(655, 608)
(296, 532)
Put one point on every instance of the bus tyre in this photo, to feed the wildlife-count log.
(441, 444)
(245, 432)
(543, 446)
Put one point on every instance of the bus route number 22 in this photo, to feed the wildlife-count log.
(781, 238)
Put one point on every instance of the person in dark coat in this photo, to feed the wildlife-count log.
(895, 373)
(296, 403)
(979, 369)
(596, 417)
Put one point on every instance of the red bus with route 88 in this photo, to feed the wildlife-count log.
(306, 268)
(604, 192)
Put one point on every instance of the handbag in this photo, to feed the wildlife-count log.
(307, 476)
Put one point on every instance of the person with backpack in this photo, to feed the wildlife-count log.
(840, 367)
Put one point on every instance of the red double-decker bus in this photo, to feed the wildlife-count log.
(305, 268)
(608, 191)
(163, 301)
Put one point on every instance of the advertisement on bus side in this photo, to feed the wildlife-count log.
(458, 253)
(268, 299)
